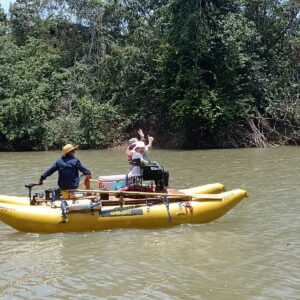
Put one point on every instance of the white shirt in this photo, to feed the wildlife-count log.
(136, 170)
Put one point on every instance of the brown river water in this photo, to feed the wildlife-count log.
(253, 252)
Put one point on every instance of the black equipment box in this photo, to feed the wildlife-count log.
(153, 173)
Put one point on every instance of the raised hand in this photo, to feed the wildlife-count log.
(150, 139)
(141, 134)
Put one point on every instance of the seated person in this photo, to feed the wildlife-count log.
(137, 155)
(132, 144)
(147, 170)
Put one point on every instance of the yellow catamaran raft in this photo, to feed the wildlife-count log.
(202, 204)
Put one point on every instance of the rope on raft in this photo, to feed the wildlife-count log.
(167, 203)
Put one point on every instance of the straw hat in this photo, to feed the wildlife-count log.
(68, 148)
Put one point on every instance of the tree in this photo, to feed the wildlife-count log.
(195, 73)
(31, 85)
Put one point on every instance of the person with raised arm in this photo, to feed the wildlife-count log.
(132, 144)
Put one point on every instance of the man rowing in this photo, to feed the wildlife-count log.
(68, 167)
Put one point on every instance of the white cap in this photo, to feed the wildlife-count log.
(140, 144)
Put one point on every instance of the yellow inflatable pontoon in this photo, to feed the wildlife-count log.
(196, 206)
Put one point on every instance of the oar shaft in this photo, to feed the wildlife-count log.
(131, 193)
(198, 196)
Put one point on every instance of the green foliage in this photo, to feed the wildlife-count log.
(62, 129)
(216, 65)
(30, 87)
(102, 124)
(192, 72)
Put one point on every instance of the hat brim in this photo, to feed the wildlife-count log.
(144, 147)
(72, 149)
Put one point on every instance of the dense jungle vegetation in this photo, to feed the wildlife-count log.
(195, 74)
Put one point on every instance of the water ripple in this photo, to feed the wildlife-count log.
(251, 253)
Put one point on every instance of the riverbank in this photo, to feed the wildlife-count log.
(257, 138)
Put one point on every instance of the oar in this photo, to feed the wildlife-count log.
(196, 196)
(94, 180)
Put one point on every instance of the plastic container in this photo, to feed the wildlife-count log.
(112, 182)
(80, 205)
